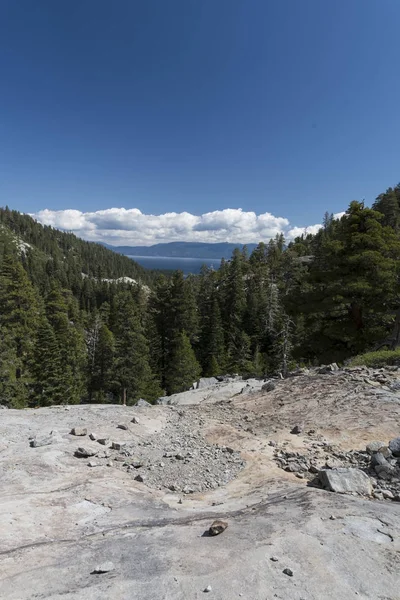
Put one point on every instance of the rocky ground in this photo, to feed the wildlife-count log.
(104, 502)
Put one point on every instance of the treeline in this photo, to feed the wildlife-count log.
(66, 337)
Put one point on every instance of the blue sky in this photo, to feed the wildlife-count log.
(284, 107)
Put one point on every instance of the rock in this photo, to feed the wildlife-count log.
(135, 421)
(206, 382)
(142, 402)
(93, 436)
(294, 467)
(346, 480)
(388, 494)
(85, 452)
(274, 559)
(105, 567)
(272, 443)
(325, 369)
(372, 383)
(298, 372)
(332, 464)
(268, 387)
(379, 459)
(124, 427)
(37, 443)
(103, 441)
(140, 478)
(118, 445)
(78, 431)
(208, 589)
(163, 401)
(92, 464)
(217, 527)
(296, 429)
(374, 447)
(288, 572)
(394, 446)
(384, 471)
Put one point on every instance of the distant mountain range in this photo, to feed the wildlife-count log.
(182, 249)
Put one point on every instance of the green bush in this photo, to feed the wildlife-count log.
(381, 358)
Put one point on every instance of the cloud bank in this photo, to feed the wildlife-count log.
(131, 227)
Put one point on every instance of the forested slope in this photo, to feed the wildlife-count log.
(68, 335)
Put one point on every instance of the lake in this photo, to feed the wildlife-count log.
(173, 263)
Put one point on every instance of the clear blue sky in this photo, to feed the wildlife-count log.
(286, 106)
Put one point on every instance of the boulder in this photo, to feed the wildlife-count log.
(45, 441)
(298, 372)
(217, 527)
(163, 401)
(374, 447)
(105, 567)
(394, 446)
(118, 445)
(206, 382)
(294, 467)
(122, 426)
(103, 441)
(346, 480)
(85, 452)
(268, 387)
(296, 429)
(78, 431)
(384, 471)
(142, 402)
(379, 459)
(325, 369)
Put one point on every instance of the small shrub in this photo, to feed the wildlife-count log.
(377, 359)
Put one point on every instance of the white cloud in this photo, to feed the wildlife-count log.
(131, 227)
(297, 231)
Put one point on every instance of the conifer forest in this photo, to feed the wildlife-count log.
(81, 323)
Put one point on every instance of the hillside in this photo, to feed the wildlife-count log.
(108, 331)
(183, 249)
(132, 519)
(69, 255)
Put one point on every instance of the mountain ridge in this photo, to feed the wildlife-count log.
(183, 249)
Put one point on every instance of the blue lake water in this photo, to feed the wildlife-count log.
(173, 263)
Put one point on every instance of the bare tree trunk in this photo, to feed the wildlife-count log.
(124, 396)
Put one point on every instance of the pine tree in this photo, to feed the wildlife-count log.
(184, 369)
(234, 307)
(13, 391)
(18, 322)
(353, 286)
(388, 205)
(47, 368)
(132, 372)
(101, 349)
(211, 346)
(71, 343)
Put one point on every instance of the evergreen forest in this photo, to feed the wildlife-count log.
(81, 323)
